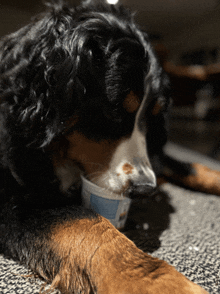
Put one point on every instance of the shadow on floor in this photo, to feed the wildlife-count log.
(147, 219)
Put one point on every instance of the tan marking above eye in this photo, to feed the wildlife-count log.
(131, 102)
(156, 109)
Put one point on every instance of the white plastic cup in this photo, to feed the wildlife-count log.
(110, 205)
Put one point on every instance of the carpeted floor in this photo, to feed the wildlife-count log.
(177, 225)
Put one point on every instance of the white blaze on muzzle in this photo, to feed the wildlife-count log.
(130, 163)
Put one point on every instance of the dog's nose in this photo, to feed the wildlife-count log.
(142, 189)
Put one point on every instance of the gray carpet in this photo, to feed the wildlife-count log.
(192, 242)
(177, 225)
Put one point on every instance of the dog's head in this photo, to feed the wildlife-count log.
(83, 85)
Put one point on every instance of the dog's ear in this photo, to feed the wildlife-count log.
(46, 69)
(39, 91)
(90, 68)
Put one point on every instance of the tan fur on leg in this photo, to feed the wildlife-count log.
(97, 258)
(204, 179)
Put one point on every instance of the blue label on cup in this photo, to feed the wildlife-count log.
(106, 207)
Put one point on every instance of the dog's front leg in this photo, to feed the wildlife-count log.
(111, 262)
(80, 252)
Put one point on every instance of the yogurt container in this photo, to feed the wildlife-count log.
(110, 205)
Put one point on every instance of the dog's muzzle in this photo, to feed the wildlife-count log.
(129, 169)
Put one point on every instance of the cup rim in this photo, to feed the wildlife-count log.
(99, 191)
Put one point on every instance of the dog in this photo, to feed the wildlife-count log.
(82, 92)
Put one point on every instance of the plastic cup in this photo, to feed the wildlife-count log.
(110, 205)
